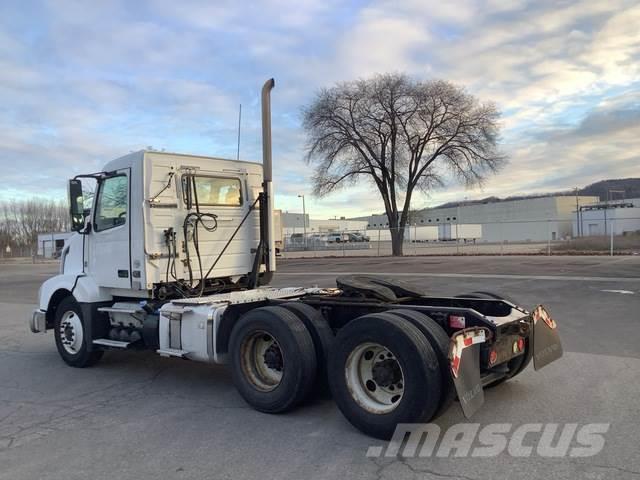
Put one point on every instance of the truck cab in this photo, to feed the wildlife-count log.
(145, 202)
(162, 225)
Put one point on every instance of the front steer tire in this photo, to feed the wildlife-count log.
(273, 361)
(70, 335)
(398, 339)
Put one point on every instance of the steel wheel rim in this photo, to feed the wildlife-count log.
(71, 332)
(262, 360)
(374, 378)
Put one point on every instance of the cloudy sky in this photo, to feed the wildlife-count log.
(84, 82)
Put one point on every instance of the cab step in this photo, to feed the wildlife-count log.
(172, 352)
(107, 342)
(121, 310)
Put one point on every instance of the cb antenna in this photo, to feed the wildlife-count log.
(239, 120)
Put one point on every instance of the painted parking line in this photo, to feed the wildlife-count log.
(561, 278)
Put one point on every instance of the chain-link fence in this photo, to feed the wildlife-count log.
(16, 251)
(601, 235)
(47, 248)
(553, 236)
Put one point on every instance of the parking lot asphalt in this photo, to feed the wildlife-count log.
(136, 415)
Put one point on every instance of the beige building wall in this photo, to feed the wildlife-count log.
(529, 220)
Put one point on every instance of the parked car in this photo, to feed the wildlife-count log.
(296, 239)
(357, 237)
(317, 238)
(337, 237)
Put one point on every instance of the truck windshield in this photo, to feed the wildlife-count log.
(111, 206)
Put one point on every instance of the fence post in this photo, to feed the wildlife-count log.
(415, 238)
(611, 243)
(548, 237)
(378, 242)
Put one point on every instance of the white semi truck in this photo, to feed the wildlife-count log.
(175, 255)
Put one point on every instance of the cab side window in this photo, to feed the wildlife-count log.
(212, 191)
(111, 206)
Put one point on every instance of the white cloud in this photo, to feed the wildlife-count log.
(378, 38)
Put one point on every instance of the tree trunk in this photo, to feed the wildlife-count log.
(397, 239)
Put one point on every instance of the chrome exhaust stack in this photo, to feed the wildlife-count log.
(266, 129)
(267, 172)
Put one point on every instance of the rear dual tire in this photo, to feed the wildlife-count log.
(383, 371)
(382, 368)
(439, 341)
(322, 337)
(273, 360)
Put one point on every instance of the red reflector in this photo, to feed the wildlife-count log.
(468, 341)
(520, 344)
(457, 321)
(455, 365)
(493, 356)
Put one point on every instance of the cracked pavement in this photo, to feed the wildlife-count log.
(136, 415)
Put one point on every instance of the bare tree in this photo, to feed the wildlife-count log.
(22, 221)
(402, 135)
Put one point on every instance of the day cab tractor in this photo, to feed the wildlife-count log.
(175, 255)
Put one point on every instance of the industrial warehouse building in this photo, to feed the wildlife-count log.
(528, 220)
(620, 217)
(540, 219)
(51, 244)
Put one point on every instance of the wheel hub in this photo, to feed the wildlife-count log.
(71, 332)
(387, 372)
(68, 332)
(374, 378)
(262, 360)
(273, 358)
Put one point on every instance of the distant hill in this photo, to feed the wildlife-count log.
(630, 186)
(624, 188)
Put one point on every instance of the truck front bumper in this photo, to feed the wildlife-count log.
(38, 321)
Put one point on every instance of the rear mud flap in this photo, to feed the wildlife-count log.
(546, 341)
(464, 357)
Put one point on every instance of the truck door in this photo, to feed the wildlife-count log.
(109, 249)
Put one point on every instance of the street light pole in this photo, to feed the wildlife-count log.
(577, 215)
(304, 221)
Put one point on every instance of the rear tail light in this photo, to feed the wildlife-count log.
(493, 357)
(457, 321)
(521, 344)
